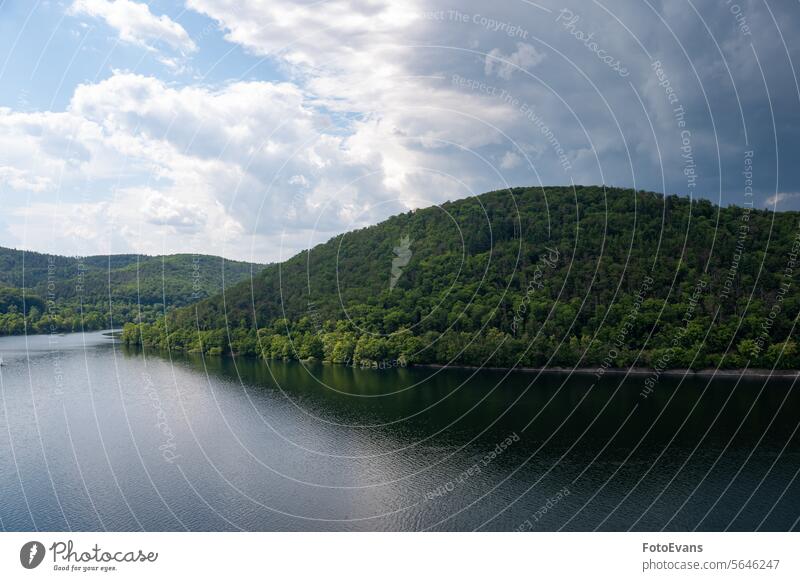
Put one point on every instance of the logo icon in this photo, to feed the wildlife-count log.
(401, 260)
(31, 554)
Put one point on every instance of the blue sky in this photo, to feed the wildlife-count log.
(47, 52)
(254, 129)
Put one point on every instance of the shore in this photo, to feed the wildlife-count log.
(616, 371)
(732, 373)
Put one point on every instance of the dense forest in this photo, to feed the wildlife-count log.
(591, 277)
(41, 293)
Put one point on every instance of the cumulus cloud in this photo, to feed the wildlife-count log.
(345, 33)
(199, 165)
(22, 180)
(504, 66)
(136, 24)
(40, 149)
(299, 180)
(160, 209)
(384, 106)
(510, 160)
(781, 199)
(67, 229)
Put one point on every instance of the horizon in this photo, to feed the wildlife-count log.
(332, 236)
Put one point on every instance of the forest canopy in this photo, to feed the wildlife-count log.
(41, 293)
(556, 276)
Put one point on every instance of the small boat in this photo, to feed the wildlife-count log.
(1, 362)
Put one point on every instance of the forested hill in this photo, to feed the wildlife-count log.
(589, 276)
(126, 285)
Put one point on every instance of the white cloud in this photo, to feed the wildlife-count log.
(66, 229)
(196, 164)
(136, 24)
(310, 34)
(781, 197)
(525, 57)
(22, 180)
(299, 180)
(40, 149)
(353, 56)
(163, 210)
(510, 160)
(174, 168)
(370, 121)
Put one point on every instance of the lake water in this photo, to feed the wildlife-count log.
(94, 436)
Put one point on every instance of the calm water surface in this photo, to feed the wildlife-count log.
(94, 436)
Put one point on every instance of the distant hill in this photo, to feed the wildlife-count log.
(126, 286)
(591, 276)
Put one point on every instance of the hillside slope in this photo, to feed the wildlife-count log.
(592, 277)
(62, 290)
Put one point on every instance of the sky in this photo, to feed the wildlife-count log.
(254, 129)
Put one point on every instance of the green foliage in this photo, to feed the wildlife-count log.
(42, 293)
(560, 277)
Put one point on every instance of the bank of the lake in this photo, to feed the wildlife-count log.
(559, 370)
(600, 372)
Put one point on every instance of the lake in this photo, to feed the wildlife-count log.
(96, 436)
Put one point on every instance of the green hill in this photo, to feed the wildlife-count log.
(70, 293)
(591, 277)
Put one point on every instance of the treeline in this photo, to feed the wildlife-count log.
(341, 342)
(36, 316)
(42, 293)
(529, 277)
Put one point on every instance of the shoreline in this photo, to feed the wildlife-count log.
(616, 371)
(727, 373)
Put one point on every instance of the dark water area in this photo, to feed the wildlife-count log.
(96, 436)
